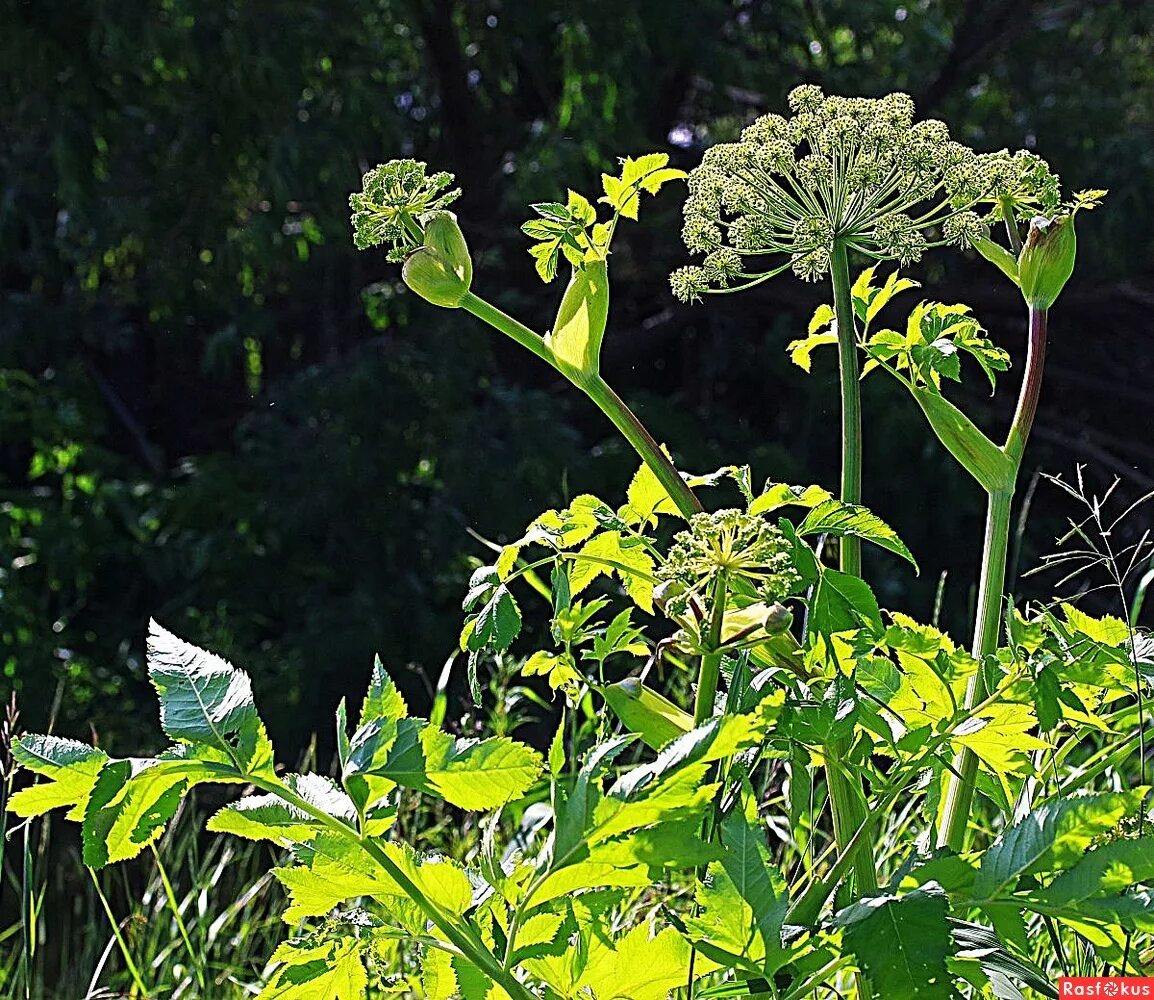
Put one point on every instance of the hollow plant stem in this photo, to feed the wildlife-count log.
(851, 443)
(959, 793)
(847, 802)
(602, 394)
(710, 669)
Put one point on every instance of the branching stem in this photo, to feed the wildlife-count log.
(959, 794)
(602, 394)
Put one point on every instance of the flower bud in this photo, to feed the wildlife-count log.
(778, 618)
(1047, 260)
(441, 271)
(668, 591)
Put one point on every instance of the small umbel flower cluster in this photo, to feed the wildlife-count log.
(391, 207)
(729, 542)
(851, 169)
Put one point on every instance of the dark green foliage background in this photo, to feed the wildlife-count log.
(212, 409)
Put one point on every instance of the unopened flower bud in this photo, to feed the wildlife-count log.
(667, 591)
(1047, 260)
(441, 271)
(778, 619)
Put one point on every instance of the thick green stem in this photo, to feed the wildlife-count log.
(846, 801)
(710, 671)
(959, 793)
(601, 393)
(851, 448)
(625, 420)
(462, 937)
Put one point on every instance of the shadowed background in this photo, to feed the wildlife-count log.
(213, 410)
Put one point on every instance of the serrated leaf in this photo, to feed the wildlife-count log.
(837, 518)
(646, 498)
(207, 702)
(637, 966)
(470, 774)
(1052, 837)
(777, 495)
(334, 869)
(71, 768)
(1000, 736)
(610, 553)
(1110, 868)
(800, 350)
(1108, 630)
(332, 971)
(133, 800)
(497, 623)
(902, 942)
(269, 817)
(822, 316)
(842, 602)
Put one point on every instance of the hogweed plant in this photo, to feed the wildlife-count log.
(761, 783)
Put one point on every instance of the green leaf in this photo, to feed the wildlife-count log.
(834, 517)
(979, 456)
(999, 256)
(334, 869)
(1108, 630)
(1052, 837)
(637, 966)
(842, 602)
(881, 297)
(496, 621)
(611, 553)
(777, 495)
(646, 498)
(470, 774)
(330, 971)
(1000, 736)
(207, 702)
(1106, 869)
(800, 350)
(70, 767)
(269, 817)
(134, 799)
(822, 316)
(902, 942)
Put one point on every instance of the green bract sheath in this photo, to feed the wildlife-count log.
(1047, 260)
(581, 318)
(441, 271)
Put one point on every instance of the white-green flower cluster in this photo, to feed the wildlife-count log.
(851, 169)
(730, 542)
(392, 206)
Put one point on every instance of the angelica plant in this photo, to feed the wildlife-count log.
(753, 758)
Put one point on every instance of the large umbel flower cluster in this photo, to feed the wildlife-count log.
(851, 169)
(391, 209)
(732, 544)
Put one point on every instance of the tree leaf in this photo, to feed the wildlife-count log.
(269, 817)
(834, 517)
(330, 971)
(1051, 837)
(71, 768)
(777, 495)
(470, 774)
(842, 602)
(207, 702)
(902, 942)
(637, 966)
(1106, 869)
